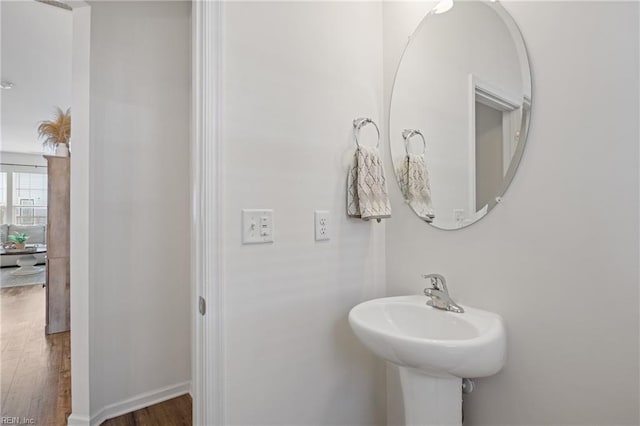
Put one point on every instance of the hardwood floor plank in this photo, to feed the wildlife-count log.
(174, 412)
(35, 368)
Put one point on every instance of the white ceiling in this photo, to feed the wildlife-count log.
(36, 58)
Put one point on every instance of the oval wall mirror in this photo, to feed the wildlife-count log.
(460, 111)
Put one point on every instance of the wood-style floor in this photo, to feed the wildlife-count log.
(35, 376)
(174, 412)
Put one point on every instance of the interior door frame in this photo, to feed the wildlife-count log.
(80, 183)
(495, 97)
(207, 237)
(206, 223)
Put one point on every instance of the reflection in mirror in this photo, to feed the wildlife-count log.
(413, 177)
(460, 112)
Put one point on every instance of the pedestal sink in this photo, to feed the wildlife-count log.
(434, 350)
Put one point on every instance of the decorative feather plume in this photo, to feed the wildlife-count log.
(56, 131)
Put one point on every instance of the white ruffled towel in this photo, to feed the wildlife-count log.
(415, 185)
(367, 196)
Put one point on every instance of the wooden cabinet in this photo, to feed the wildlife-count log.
(58, 242)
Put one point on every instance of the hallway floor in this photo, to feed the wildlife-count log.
(174, 412)
(35, 380)
(34, 368)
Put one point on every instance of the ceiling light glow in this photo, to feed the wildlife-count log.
(442, 7)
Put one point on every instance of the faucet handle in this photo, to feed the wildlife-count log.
(438, 282)
(434, 283)
(433, 278)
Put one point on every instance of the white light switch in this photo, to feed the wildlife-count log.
(322, 225)
(257, 226)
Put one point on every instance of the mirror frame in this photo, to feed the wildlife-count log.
(525, 124)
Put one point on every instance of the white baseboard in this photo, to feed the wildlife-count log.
(76, 420)
(137, 402)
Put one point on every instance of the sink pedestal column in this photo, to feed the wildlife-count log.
(431, 401)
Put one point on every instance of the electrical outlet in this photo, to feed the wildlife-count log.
(458, 215)
(322, 225)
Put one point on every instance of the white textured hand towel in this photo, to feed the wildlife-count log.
(415, 186)
(367, 195)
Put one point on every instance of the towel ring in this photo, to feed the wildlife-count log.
(358, 123)
(407, 134)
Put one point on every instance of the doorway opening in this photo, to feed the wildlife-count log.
(495, 117)
(36, 73)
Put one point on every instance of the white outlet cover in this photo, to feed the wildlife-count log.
(458, 214)
(257, 226)
(322, 225)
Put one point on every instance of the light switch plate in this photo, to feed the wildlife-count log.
(322, 225)
(257, 226)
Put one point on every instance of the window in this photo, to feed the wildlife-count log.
(29, 198)
(23, 197)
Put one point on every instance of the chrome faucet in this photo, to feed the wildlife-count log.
(439, 294)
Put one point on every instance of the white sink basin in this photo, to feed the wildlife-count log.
(434, 349)
(407, 332)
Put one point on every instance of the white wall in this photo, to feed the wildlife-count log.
(36, 57)
(296, 75)
(559, 259)
(139, 211)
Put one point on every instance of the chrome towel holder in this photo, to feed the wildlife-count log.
(358, 123)
(407, 134)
